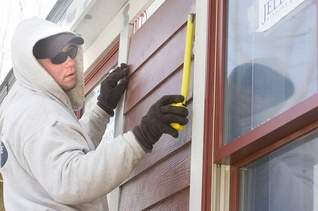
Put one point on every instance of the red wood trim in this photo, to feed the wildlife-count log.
(209, 108)
(220, 74)
(276, 145)
(234, 188)
(277, 128)
(101, 65)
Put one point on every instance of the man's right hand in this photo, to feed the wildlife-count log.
(112, 88)
(158, 119)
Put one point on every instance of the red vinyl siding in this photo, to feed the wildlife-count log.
(161, 181)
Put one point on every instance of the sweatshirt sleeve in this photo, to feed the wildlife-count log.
(61, 162)
(94, 124)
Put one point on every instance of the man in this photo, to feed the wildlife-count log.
(49, 159)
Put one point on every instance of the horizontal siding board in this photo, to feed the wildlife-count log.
(163, 180)
(157, 30)
(170, 86)
(177, 202)
(154, 71)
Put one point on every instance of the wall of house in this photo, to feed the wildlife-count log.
(161, 181)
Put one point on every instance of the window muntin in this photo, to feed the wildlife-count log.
(286, 179)
(267, 72)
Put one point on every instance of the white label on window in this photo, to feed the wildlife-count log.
(272, 11)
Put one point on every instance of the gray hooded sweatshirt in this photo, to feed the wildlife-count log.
(49, 159)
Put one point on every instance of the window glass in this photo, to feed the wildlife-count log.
(90, 102)
(268, 68)
(286, 179)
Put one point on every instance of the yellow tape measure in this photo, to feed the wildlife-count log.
(186, 66)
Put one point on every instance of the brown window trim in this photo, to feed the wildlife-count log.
(276, 129)
(209, 107)
(280, 130)
(101, 66)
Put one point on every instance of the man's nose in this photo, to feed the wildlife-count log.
(70, 61)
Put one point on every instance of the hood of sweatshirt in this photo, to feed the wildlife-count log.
(29, 73)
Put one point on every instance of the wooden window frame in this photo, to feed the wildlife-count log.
(284, 128)
(101, 66)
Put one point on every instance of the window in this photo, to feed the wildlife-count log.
(268, 71)
(263, 102)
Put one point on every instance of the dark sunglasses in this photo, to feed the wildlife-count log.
(61, 57)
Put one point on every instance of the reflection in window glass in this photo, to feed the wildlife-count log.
(286, 179)
(267, 71)
(90, 102)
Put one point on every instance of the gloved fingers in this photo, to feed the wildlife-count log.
(172, 118)
(123, 65)
(117, 74)
(179, 110)
(169, 99)
(121, 86)
(123, 81)
(170, 130)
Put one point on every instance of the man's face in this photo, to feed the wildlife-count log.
(64, 74)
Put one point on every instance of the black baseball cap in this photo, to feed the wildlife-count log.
(52, 45)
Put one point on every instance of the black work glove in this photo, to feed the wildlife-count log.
(112, 88)
(158, 119)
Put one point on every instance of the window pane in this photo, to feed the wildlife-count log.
(286, 179)
(267, 70)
